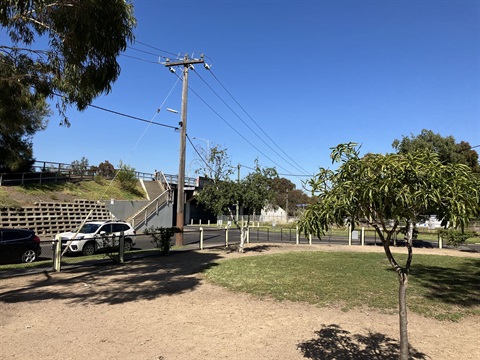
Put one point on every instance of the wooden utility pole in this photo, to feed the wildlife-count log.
(187, 64)
(238, 181)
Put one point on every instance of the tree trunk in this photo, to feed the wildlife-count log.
(402, 285)
(243, 231)
(402, 307)
(243, 236)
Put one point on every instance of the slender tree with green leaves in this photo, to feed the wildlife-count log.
(252, 193)
(388, 192)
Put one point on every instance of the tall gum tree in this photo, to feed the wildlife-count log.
(388, 192)
(67, 48)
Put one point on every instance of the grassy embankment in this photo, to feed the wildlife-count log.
(100, 189)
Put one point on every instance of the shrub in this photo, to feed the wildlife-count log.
(126, 177)
(455, 237)
(105, 169)
(161, 237)
(79, 167)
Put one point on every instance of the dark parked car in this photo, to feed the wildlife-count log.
(19, 245)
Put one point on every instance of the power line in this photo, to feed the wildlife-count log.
(146, 52)
(199, 155)
(296, 175)
(155, 48)
(137, 58)
(133, 117)
(128, 116)
(241, 107)
(239, 134)
(255, 133)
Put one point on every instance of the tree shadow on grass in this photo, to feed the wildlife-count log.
(249, 248)
(451, 286)
(334, 343)
(140, 279)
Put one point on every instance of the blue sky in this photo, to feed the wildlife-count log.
(310, 74)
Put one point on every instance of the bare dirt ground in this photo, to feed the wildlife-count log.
(162, 308)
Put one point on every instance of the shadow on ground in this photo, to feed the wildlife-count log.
(451, 286)
(139, 279)
(332, 342)
(250, 248)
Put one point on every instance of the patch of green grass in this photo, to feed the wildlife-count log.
(441, 287)
(6, 200)
(474, 240)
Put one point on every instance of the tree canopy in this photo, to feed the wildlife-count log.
(216, 164)
(287, 196)
(448, 150)
(22, 114)
(253, 192)
(65, 49)
(390, 191)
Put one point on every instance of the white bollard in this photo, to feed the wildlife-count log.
(349, 234)
(201, 238)
(121, 248)
(297, 235)
(58, 253)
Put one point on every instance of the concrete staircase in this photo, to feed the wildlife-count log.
(160, 195)
(152, 188)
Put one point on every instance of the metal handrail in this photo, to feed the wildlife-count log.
(141, 216)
